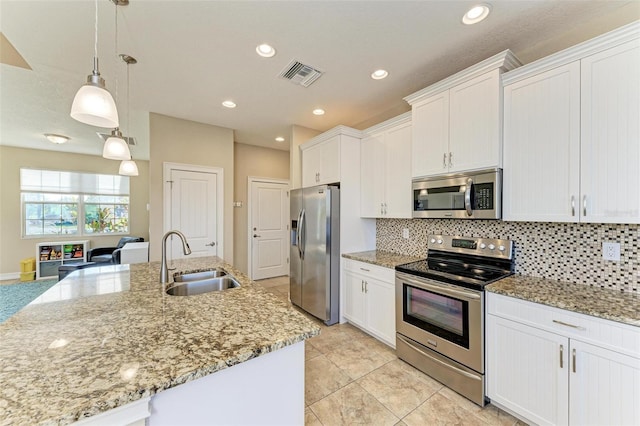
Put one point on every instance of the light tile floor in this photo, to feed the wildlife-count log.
(352, 378)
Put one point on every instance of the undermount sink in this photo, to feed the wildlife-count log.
(201, 286)
(199, 275)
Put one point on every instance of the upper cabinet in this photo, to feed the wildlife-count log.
(385, 153)
(572, 134)
(457, 122)
(321, 163)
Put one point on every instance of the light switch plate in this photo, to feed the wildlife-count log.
(611, 251)
(405, 233)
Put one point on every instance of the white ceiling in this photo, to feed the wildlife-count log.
(192, 55)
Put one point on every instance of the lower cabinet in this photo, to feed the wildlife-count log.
(369, 299)
(554, 367)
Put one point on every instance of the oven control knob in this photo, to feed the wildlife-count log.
(439, 241)
(433, 241)
(483, 246)
(491, 247)
(501, 248)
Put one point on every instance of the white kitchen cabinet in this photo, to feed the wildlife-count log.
(369, 299)
(541, 176)
(610, 135)
(457, 122)
(571, 132)
(551, 366)
(321, 163)
(385, 177)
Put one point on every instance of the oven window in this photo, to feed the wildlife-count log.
(442, 315)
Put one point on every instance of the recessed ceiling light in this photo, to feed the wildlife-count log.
(318, 111)
(265, 50)
(56, 138)
(379, 74)
(229, 104)
(476, 14)
(279, 139)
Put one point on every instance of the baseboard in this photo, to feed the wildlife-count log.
(10, 276)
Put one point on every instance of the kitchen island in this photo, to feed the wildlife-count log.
(106, 337)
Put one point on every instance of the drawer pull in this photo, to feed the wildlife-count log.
(569, 325)
(561, 356)
(573, 355)
(363, 269)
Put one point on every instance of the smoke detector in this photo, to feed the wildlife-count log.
(300, 74)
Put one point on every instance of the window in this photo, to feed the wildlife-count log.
(72, 203)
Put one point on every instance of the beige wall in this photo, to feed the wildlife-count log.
(298, 136)
(13, 247)
(252, 161)
(181, 141)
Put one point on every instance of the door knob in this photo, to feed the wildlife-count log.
(256, 236)
(211, 244)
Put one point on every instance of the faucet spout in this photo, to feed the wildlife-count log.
(164, 270)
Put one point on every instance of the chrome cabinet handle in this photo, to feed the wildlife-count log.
(361, 286)
(363, 269)
(385, 208)
(444, 160)
(573, 358)
(467, 197)
(366, 290)
(584, 205)
(561, 356)
(573, 205)
(450, 159)
(381, 209)
(568, 325)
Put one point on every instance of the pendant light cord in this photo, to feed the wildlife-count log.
(116, 47)
(128, 112)
(95, 46)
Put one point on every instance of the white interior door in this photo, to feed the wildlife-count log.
(194, 212)
(268, 229)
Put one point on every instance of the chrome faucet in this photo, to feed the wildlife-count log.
(164, 270)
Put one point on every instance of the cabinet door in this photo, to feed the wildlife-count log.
(398, 197)
(610, 150)
(354, 298)
(604, 387)
(330, 161)
(430, 138)
(372, 176)
(475, 123)
(527, 371)
(311, 166)
(541, 173)
(380, 309)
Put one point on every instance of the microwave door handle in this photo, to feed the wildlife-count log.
(467, 197)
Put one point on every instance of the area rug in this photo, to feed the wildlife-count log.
(14, 297)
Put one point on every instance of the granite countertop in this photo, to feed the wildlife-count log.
(385, 259)
(107, 336)
(595, 301)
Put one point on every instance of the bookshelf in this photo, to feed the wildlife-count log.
(51, 255)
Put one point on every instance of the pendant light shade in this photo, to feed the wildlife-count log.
(128, 168)
(93, 104)
(116, 148)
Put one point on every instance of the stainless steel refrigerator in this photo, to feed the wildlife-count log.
(315, 251)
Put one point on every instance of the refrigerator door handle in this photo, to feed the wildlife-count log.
(302, 239)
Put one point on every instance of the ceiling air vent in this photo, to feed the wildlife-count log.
(128, 139)
(299, 73)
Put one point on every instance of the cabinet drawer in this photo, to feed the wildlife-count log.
(369, 270)
(612, 335)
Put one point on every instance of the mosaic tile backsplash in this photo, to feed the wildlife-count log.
(560, 251)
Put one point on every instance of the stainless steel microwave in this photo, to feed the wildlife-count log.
(472, 195)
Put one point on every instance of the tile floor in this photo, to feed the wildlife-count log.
(352, 378)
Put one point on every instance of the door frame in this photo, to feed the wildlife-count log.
(166, 179)
(251, 180)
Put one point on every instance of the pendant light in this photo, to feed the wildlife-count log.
(93, 104)
(128, 167)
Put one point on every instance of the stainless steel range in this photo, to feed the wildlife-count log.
(440, 309)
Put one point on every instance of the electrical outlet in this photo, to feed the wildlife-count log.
(405, 233)
(611, 251)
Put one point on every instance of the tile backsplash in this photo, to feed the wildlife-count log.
(561, 251)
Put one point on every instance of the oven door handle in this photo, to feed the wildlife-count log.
(467, 197)
(444, 364)
(441, 289)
